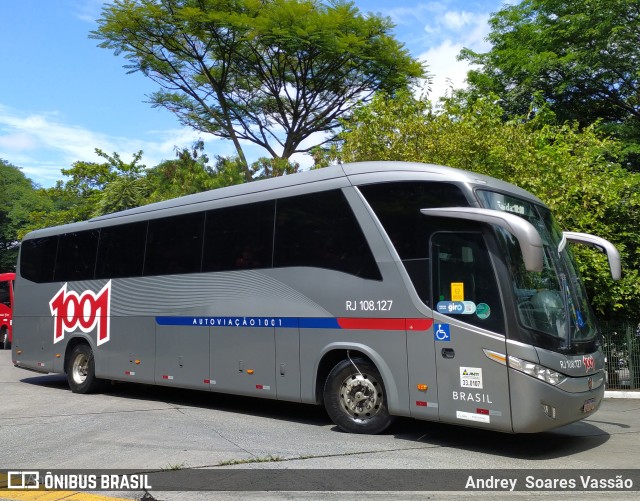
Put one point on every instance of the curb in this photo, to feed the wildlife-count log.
(622, 394)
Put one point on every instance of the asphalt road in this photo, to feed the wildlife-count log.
(45, 426)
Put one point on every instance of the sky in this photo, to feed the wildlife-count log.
(61, 96)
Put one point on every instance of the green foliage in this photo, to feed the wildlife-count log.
(268, 72)
(568, 168)
(92, 189)
(18, 198)
(190, 173)
(265, 168)
(581, 58)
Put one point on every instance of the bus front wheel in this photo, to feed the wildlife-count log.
(81, 373)
(355, 398)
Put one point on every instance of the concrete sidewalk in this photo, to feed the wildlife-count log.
(622, 394)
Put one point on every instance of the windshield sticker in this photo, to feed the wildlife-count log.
(471, 377)
(509, 207)
(457, 291)
(483, 311)
(456, 307)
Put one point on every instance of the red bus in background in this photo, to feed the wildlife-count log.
(6, 308)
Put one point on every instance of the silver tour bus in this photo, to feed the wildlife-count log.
(378, 289)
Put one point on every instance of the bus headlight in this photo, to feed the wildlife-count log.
(538, 371)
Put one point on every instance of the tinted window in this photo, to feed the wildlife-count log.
(121, 251)
(174, 245)
(464, 282)
(76, 258)
(37, 259)
(239, 238)
(5, 295)
(398, 205)
(320, 230)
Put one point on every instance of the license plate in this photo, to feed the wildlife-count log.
(589, 405)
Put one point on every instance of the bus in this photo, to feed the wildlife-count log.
(6, 309)
(376, 289)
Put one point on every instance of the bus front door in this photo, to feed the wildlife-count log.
(469, 327)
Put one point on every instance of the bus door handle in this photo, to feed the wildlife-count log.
(448, 353)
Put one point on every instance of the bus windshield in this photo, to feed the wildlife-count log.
(553, 303)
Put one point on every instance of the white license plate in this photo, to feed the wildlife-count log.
(589, 405)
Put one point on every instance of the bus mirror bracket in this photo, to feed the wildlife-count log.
(599, 243)
(526, 234)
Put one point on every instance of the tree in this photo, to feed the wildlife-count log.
(190, 173)
(93, 189)
(581, 58)
(569, 168)
(270, 72)
(18, 198)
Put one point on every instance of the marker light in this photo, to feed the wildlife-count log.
(538, 371)
(495, 356)
(423, 387)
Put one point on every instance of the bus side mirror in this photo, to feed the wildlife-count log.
(527, 236)
(599, 243)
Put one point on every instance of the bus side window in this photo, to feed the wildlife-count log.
(121, 250)
(464, 284)
(239, 238)
(320, 230)
(397, 205)
(76, 258)
(174, 244)
(38, 258)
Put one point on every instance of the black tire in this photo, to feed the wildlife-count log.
(4, 337)
(81, 373)
(355, 397)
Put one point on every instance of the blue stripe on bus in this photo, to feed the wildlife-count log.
(286, 322)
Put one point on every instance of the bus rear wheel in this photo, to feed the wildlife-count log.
(81, 373)
(355, 398)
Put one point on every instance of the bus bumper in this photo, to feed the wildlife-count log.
(537, 406)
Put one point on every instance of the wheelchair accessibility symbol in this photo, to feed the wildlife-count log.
(442, 332)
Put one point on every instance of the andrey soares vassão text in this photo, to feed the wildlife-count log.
(582, 482)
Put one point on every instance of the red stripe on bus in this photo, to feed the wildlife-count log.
(419, 324)
(386, 324)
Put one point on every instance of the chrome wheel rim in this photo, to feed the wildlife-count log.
(80, 369)
(361, 396)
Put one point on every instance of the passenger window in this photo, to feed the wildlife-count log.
(76, 258)
(174, 245)
(121, 251)
(397, 206)
(38, 258)
(464, 284)
(239, 238)
(320, 230)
